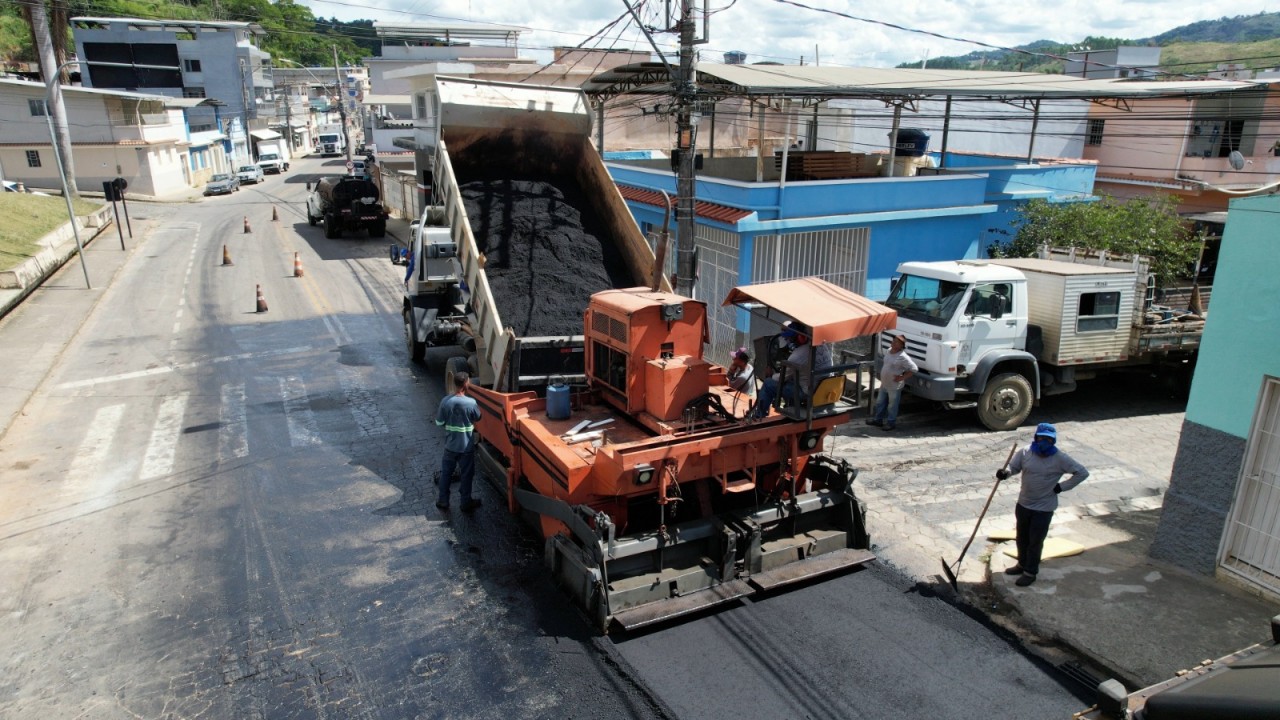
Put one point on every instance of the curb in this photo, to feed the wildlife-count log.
(59, 247)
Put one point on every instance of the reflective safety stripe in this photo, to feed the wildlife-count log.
(459, 428)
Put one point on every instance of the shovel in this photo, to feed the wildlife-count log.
(951, 570)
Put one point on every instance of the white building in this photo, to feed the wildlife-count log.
(131, 135)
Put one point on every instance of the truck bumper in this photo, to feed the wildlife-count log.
(941, 389)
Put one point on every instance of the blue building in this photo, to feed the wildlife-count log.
(853, 232)
(1222, 510)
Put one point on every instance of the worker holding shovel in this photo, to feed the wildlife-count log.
(1042, 466)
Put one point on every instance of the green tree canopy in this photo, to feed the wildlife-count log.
(1139, 226)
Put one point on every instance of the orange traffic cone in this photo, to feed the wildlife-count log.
(226, 256)
(247, 229)
(297, 265)
(262, 302)
(275, 216)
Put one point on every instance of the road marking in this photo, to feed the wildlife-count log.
(163, 445)
(233, 428)
(297, 413)
(90, 458)
(175, 367)
(363, 407)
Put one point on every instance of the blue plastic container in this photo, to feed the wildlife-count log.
(912, 142)
(558, 399)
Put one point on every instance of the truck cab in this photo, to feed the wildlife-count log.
(966, 327)
(331, 143)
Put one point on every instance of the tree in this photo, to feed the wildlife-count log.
(1143, 226)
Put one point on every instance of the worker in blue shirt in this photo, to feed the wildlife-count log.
(1042, 466)
(458, 415)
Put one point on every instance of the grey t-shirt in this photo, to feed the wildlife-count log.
(1040, 474)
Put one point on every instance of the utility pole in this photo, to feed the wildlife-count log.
(49, 69)
(342, 104)
(686, 145)
(288, 122)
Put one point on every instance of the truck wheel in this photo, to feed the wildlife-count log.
(1006, 402)
(331, 226)
(417, 348)
(454, 366)
(378, 229)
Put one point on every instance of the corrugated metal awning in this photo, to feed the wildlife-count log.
(264, 134)
(707, 210)
(831, 312)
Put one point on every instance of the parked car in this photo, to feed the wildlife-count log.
(250, 174)
(222, 184)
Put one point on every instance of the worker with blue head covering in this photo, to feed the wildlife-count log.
(1042, 466)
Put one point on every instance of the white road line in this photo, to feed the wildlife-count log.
(90, 458)
(297, 413)
(179, 366)
(342, 331)
(233, 430)
(363, 407)
(163, 445)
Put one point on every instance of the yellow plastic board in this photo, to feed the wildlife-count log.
(1053, 548)
(1009, 534)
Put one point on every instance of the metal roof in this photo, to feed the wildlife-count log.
(384, 99)
(452, 31)
(87, 91)
(175, 25)
(708, 210)
(827, 82)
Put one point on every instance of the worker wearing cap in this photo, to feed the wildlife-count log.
(457, 415)
(1042, 466)
(772, 393)
(897, 367)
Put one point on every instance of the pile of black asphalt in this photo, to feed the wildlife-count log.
(545, 254)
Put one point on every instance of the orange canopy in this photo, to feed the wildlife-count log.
(831, 311)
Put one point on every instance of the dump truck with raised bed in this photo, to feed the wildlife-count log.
(997, 335)
(526, 226)
(347, 203)
(657, 489)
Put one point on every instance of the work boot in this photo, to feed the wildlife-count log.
(875, 422)
(442, 505)
(471, 504)
(1015, 570)
(889, 426)
(1025, 580)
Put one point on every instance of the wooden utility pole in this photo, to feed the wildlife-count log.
(686, 145)
(48, 69)
(342, 104)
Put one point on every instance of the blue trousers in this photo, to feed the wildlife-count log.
(465, 462)
(769, 392)
(887, 405)
(1033, 528)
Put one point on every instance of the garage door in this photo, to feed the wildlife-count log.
(1251, 547)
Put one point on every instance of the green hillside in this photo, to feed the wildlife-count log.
(292, 31)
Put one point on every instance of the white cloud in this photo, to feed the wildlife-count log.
(770, 30)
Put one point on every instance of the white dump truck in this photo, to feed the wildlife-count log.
(997, 335)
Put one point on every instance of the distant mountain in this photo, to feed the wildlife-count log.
(1258, 28)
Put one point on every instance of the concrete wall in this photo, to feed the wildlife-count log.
(1240, 348)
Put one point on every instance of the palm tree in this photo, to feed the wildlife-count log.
(49, 33)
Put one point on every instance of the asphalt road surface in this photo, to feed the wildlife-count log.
(213, 512)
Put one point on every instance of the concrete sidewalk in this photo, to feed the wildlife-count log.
(1129, 615)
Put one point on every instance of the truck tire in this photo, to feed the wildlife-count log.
(1006, 402)
(378, 229)
(416, 347)
(454, 366)
(331, 230)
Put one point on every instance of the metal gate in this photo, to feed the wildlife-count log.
(1251, 547)
(837, 256)
(718, 252)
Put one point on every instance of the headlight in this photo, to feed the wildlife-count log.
(810, 439)
(644, 474)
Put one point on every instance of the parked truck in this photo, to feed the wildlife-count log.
(347, 203)
(487, 132)
(330, 141)
(272, 157)
(997, 335)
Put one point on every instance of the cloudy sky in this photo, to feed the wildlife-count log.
(782, 32)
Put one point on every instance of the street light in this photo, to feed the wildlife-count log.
(57, 158)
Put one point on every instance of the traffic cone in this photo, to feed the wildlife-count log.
(297, 265)
(262, 302)
(275, 216)
(226, 256)
(247, 229)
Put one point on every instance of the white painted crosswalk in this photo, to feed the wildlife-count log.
(147, 438)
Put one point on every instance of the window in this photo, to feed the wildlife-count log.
(985, 298)
(33, 158)
(36, 107)
(1095, 132)
(193, 91)
(1098, 311)
(202, 128)
(191, 65)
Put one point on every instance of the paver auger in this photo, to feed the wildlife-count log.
(656, 493)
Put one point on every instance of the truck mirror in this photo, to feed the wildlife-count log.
(997, 306)
(308, 186)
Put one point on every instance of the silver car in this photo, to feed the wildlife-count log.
(222, 184)
(250, 174)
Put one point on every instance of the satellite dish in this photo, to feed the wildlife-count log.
(1236, 160)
